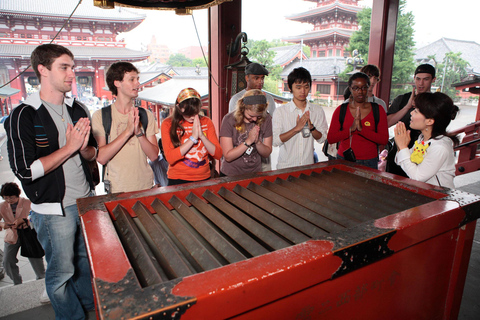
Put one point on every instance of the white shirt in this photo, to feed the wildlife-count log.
(438, 162)
(232, 105)
(297, 151)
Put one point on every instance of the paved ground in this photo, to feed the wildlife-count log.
(23, 302)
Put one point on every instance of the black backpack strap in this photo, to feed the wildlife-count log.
(142, 113)
(376, 114)
(343, 113)
(107, 125)
(107, 121)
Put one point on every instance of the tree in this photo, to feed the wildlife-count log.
(452, 70)
(179, 60)
(403, 62)
(200, 62)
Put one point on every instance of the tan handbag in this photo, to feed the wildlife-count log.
(10, 236)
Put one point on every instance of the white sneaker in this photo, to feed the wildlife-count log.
(44, 297)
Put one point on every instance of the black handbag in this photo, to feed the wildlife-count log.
(30, 247)
(348, 154)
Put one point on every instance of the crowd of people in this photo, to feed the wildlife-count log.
(52, 139)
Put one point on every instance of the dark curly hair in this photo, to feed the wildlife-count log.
(10, 189)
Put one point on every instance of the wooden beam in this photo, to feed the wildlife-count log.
(382, 43)
(224, 25)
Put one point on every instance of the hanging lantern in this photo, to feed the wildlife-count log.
(238, 68)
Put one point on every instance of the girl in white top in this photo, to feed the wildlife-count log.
(431, 159)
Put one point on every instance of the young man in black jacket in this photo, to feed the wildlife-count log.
(49, 144)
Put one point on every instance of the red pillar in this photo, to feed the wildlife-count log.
(382, 42)
(224, 25)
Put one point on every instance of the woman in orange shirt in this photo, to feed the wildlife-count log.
(189, 140)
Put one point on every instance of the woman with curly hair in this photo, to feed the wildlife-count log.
(189, 140)
(246, 135)
(432, 158)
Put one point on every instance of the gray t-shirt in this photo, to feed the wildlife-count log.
(245, 163)
(76, 185)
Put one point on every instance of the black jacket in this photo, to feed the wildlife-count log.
(32, 134)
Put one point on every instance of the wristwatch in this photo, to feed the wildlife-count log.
(138, 135)
(248, 145)
(195, 141)
(312, 129)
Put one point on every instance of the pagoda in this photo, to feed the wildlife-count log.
(333, 22)
(91, 34)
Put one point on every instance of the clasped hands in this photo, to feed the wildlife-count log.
(305, 118)
(402, 136)
(357, 120)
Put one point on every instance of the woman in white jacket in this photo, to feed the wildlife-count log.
(432, 158)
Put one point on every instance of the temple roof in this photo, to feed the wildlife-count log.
(166, 93)
(286, 54)
(63, 9)
(469, 49)
(320, 34)
(318, 67)
(304, 16)
(81, 53)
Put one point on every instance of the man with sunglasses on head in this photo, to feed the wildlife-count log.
(297, 124)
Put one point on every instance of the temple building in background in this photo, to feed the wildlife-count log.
(334, 22)
(91, 35)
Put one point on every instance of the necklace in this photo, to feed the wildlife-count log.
(52, 108)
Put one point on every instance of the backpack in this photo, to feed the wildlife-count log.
(107, 125)
(328, 149)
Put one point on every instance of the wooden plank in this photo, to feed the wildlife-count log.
(302, 200)
(299, 210)
(261, 233)
(264, 217)
(146, 266)
(237, 235)
(174, 265)
(271, 207)
(214, 238)
(193, 246)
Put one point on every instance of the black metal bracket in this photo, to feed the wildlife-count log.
(364, 253)
(469, 203)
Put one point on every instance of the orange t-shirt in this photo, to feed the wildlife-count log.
(194, 165)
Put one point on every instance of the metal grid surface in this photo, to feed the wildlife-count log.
(230, 225)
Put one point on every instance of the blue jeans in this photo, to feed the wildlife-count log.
(371, 163)
(67, 279)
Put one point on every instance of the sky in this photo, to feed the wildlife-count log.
(265, 19)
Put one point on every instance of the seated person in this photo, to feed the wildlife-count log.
(246, 135)
(431, 159)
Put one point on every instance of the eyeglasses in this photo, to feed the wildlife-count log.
(364, 88)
